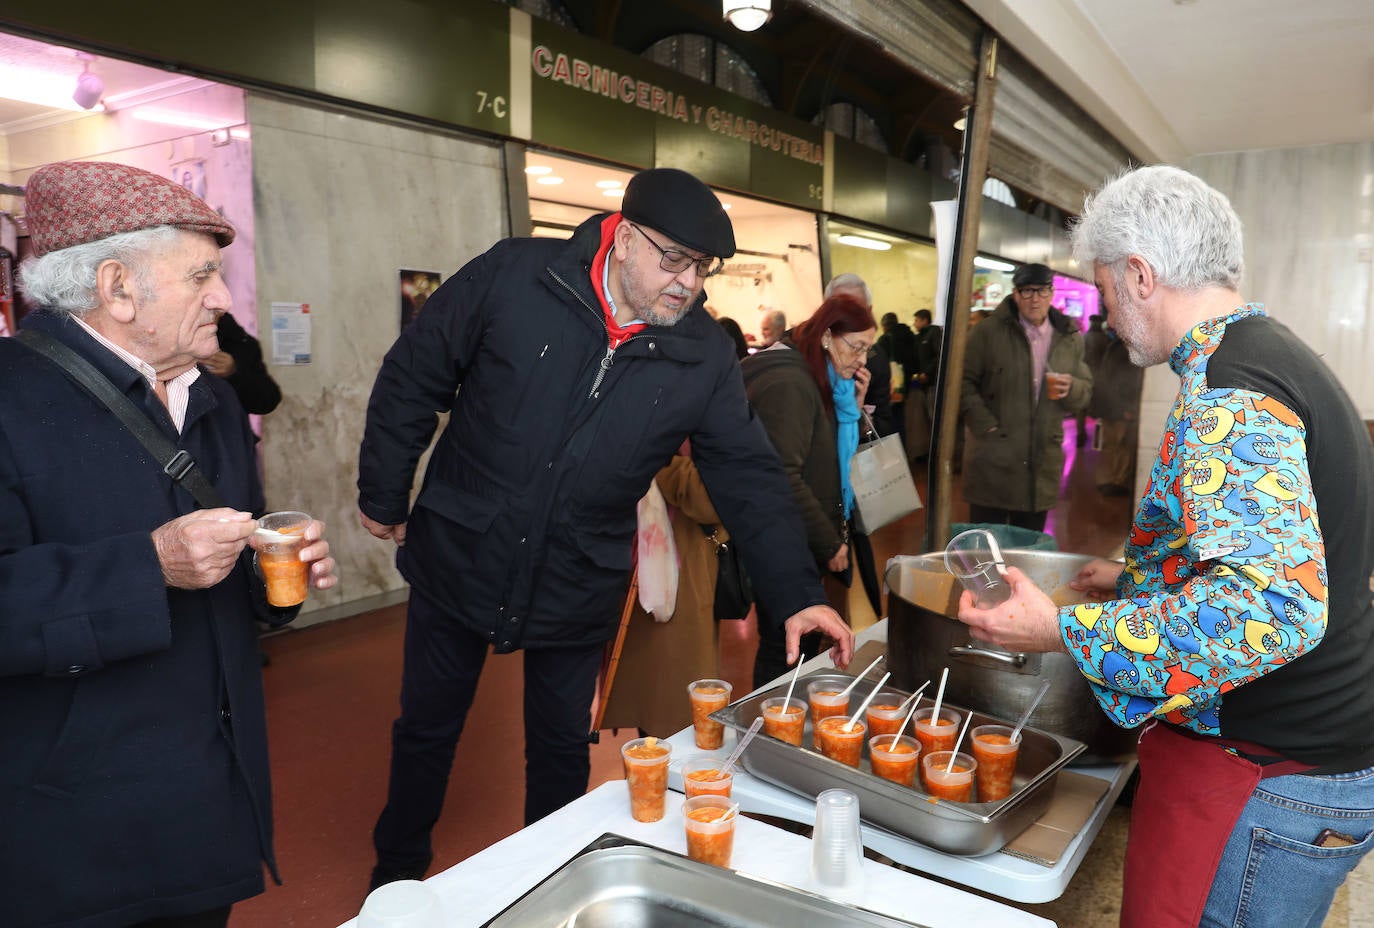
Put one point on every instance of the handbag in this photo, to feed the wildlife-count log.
(881, 478)
(734, 592)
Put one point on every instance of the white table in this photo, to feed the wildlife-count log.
(997, 873)
(483, 885)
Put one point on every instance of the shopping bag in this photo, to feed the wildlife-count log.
(883, 488)
(734, 592)
(657, 557)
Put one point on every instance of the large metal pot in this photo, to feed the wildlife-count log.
(923, 639)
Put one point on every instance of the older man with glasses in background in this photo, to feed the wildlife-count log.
(1024, 372)
(573, 372)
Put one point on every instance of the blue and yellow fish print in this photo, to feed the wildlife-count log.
(1225, 576)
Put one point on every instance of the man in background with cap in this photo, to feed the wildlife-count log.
(135, 786)
(1023, 373)
(573, 371)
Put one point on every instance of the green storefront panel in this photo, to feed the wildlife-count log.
(860, 182)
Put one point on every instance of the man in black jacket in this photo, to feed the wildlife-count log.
(583, 366)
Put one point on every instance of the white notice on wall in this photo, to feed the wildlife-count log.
(290, 333)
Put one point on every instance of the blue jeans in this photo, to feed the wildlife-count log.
(1272, 873)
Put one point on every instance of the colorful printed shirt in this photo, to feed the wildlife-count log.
(1225, 576)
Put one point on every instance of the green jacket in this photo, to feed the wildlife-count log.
(1014, 456)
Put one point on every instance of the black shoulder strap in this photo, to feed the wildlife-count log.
(177, 463)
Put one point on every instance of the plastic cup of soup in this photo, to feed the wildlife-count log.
(646, 772)
(884, 714)
(944, 780)
(784, 719)
(278, 541)
(826, 700)
(835, 742)
(701, 776)
(996, 755)
(710, 822)
(936, 735)
(894, 758)
(708, 696)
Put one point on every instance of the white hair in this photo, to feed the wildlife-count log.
(1185, 230)
(848, 282)
(64, 281)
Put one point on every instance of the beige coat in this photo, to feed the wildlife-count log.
(659, 659)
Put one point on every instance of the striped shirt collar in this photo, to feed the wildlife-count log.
(178, 388)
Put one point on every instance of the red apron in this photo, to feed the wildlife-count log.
(1191, 794)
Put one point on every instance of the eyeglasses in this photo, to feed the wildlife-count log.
(678, 261)
(860, 350)
(1043, 292)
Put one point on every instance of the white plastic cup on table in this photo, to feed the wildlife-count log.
(278, 541)
(402, 904)
(710, 823)
(974, 558)
(836, 848)
(708, 696)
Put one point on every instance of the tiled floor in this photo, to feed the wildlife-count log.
(332, 693)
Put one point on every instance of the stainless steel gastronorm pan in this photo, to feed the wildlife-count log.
(616, 883)
(964, 829)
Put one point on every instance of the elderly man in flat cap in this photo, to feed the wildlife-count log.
(135, 780)
(573, 372)
(1023, 373)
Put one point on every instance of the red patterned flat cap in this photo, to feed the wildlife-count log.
(74, 202)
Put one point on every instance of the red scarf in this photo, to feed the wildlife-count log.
(617, 333)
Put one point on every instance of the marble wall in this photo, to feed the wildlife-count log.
(341, 203)
(1308, 215)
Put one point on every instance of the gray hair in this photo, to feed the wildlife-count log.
(64, 281)
(848, 282)
(1185, 230)
(777, 318)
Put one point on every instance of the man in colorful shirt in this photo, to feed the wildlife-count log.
(1238, 629)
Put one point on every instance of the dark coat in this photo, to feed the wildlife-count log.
(790, 405)
(1116, 381)
(256, 389)
(523, 528)
(1014, 456)
(135, 779)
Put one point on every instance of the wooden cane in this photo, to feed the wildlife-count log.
(611, 659)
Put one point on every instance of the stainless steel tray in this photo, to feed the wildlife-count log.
(963, 829)
(616, 882)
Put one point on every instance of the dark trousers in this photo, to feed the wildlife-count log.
(991, 515)
(216, 918)
(770, 662)
(443, 661)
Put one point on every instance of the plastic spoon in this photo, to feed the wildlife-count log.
(907, 721)
(939, 696)
(849, 726)
(791, 686)
(949, 768)
(913, 697)
(855, 682)
(739, 748)
(1025, 716)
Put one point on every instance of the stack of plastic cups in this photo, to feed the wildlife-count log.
(836, 849)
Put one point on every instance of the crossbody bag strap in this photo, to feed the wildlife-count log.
(177, 463)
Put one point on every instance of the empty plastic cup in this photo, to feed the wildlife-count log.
(836, 848)
(976, 560)
(402, 904)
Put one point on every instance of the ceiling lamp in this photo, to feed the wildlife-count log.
(991, 264)
(747, 15)
(863, 241)
(89, 87)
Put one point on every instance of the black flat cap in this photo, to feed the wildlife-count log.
(681, 207)
(1032, 275)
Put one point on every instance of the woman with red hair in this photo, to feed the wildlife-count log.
(808, 390)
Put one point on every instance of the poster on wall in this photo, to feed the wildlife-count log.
(191, 175)
(416, 287)
(290, 333)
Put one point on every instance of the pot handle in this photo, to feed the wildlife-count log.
(1017, 660)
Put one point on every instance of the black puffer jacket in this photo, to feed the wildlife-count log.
(524, 526)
